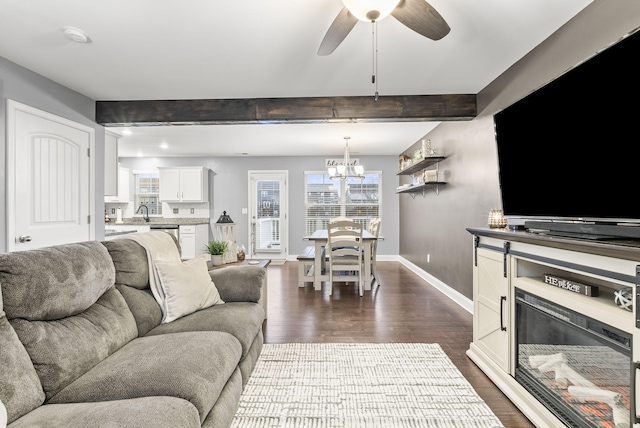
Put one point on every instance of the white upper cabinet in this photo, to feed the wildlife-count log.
(110, 164)
(184, 184)
(122, 195)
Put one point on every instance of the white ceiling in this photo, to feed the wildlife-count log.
(197, 49)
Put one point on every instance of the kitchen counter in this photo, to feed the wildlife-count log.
(111, 232)
(133, 221)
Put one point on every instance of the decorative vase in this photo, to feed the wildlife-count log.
(217, 260)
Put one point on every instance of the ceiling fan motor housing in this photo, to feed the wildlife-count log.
(370, 10)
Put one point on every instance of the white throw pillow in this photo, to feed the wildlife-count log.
(187, 288)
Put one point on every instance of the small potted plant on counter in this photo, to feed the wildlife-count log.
(217, 250)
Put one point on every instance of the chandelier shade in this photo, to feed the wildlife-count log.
(370, 10)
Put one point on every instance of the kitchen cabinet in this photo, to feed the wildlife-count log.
(122, 195)
(111, 176)
(185, 184)
(193, 240)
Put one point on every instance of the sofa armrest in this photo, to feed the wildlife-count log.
(240, 283)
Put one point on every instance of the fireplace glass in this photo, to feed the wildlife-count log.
(578, 367)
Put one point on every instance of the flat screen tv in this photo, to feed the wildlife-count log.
(570, 151)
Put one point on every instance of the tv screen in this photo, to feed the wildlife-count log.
(571, 149)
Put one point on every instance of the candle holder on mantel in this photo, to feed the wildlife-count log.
(497, 219)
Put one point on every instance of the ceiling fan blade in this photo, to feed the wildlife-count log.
(339, 29)
(422, 18)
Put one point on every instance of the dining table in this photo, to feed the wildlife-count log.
(320, 273)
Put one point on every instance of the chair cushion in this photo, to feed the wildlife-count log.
(144, 307)
(243, 320)
(195, 366)
(130, 261)
(20, 388)
(145, 412)
(64, 349)
(55, 282)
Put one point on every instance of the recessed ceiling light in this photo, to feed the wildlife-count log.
(76, 35)
(140, 154)
(164, 146)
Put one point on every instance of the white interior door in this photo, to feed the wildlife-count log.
(268, 215)
(49, 179)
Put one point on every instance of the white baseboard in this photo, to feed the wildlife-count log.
(464, 302)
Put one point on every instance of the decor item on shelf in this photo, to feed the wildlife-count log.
(624, 298)
(347, 168)
(241, 252)
(497, 219)
(217, 250)
(427, 151)
(403, 162)
(224, 218)
(571, 285)
(431, 176)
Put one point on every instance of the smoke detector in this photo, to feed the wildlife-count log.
(75, 35)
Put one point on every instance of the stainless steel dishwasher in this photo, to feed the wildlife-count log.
(173, 229)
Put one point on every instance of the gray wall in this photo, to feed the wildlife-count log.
(22, 85)
(436, 224)
(228, 188)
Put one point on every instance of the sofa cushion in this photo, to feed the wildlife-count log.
(240, 283)
(20, 388)
(195, 366)
(54, 282)
(130, 261)
(64, 349)
(146, 412)
(243, 320)
(187, 287)
(143, 306)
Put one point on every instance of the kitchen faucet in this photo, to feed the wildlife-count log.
(145, 215)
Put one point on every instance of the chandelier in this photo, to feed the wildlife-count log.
(347, 168)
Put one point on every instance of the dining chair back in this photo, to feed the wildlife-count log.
(345, 252)
(374, 229)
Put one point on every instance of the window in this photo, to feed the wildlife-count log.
(354, 198)
(146, 191)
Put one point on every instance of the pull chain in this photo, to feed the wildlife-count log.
(374, 47)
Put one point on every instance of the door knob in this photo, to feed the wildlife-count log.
(24, 238)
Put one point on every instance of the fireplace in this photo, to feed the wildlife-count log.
(578, 367)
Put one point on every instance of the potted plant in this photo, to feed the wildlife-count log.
(217, 250)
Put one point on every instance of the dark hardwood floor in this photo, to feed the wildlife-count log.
(403, 309)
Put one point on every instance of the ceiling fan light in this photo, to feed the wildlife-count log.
(365, 10)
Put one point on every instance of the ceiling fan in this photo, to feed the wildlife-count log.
(418, 15)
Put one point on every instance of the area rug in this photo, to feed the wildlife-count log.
(338, 385)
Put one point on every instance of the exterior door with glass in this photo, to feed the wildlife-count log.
(268, 216)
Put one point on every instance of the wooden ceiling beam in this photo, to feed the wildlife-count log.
(287, 110)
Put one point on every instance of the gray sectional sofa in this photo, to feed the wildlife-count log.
(83, 342)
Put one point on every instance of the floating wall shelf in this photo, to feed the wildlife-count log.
(421, 166)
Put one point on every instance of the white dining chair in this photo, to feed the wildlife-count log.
(374, 229)
(345, 250)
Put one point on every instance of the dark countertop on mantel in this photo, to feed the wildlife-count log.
(135, 221)
(623, 249)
